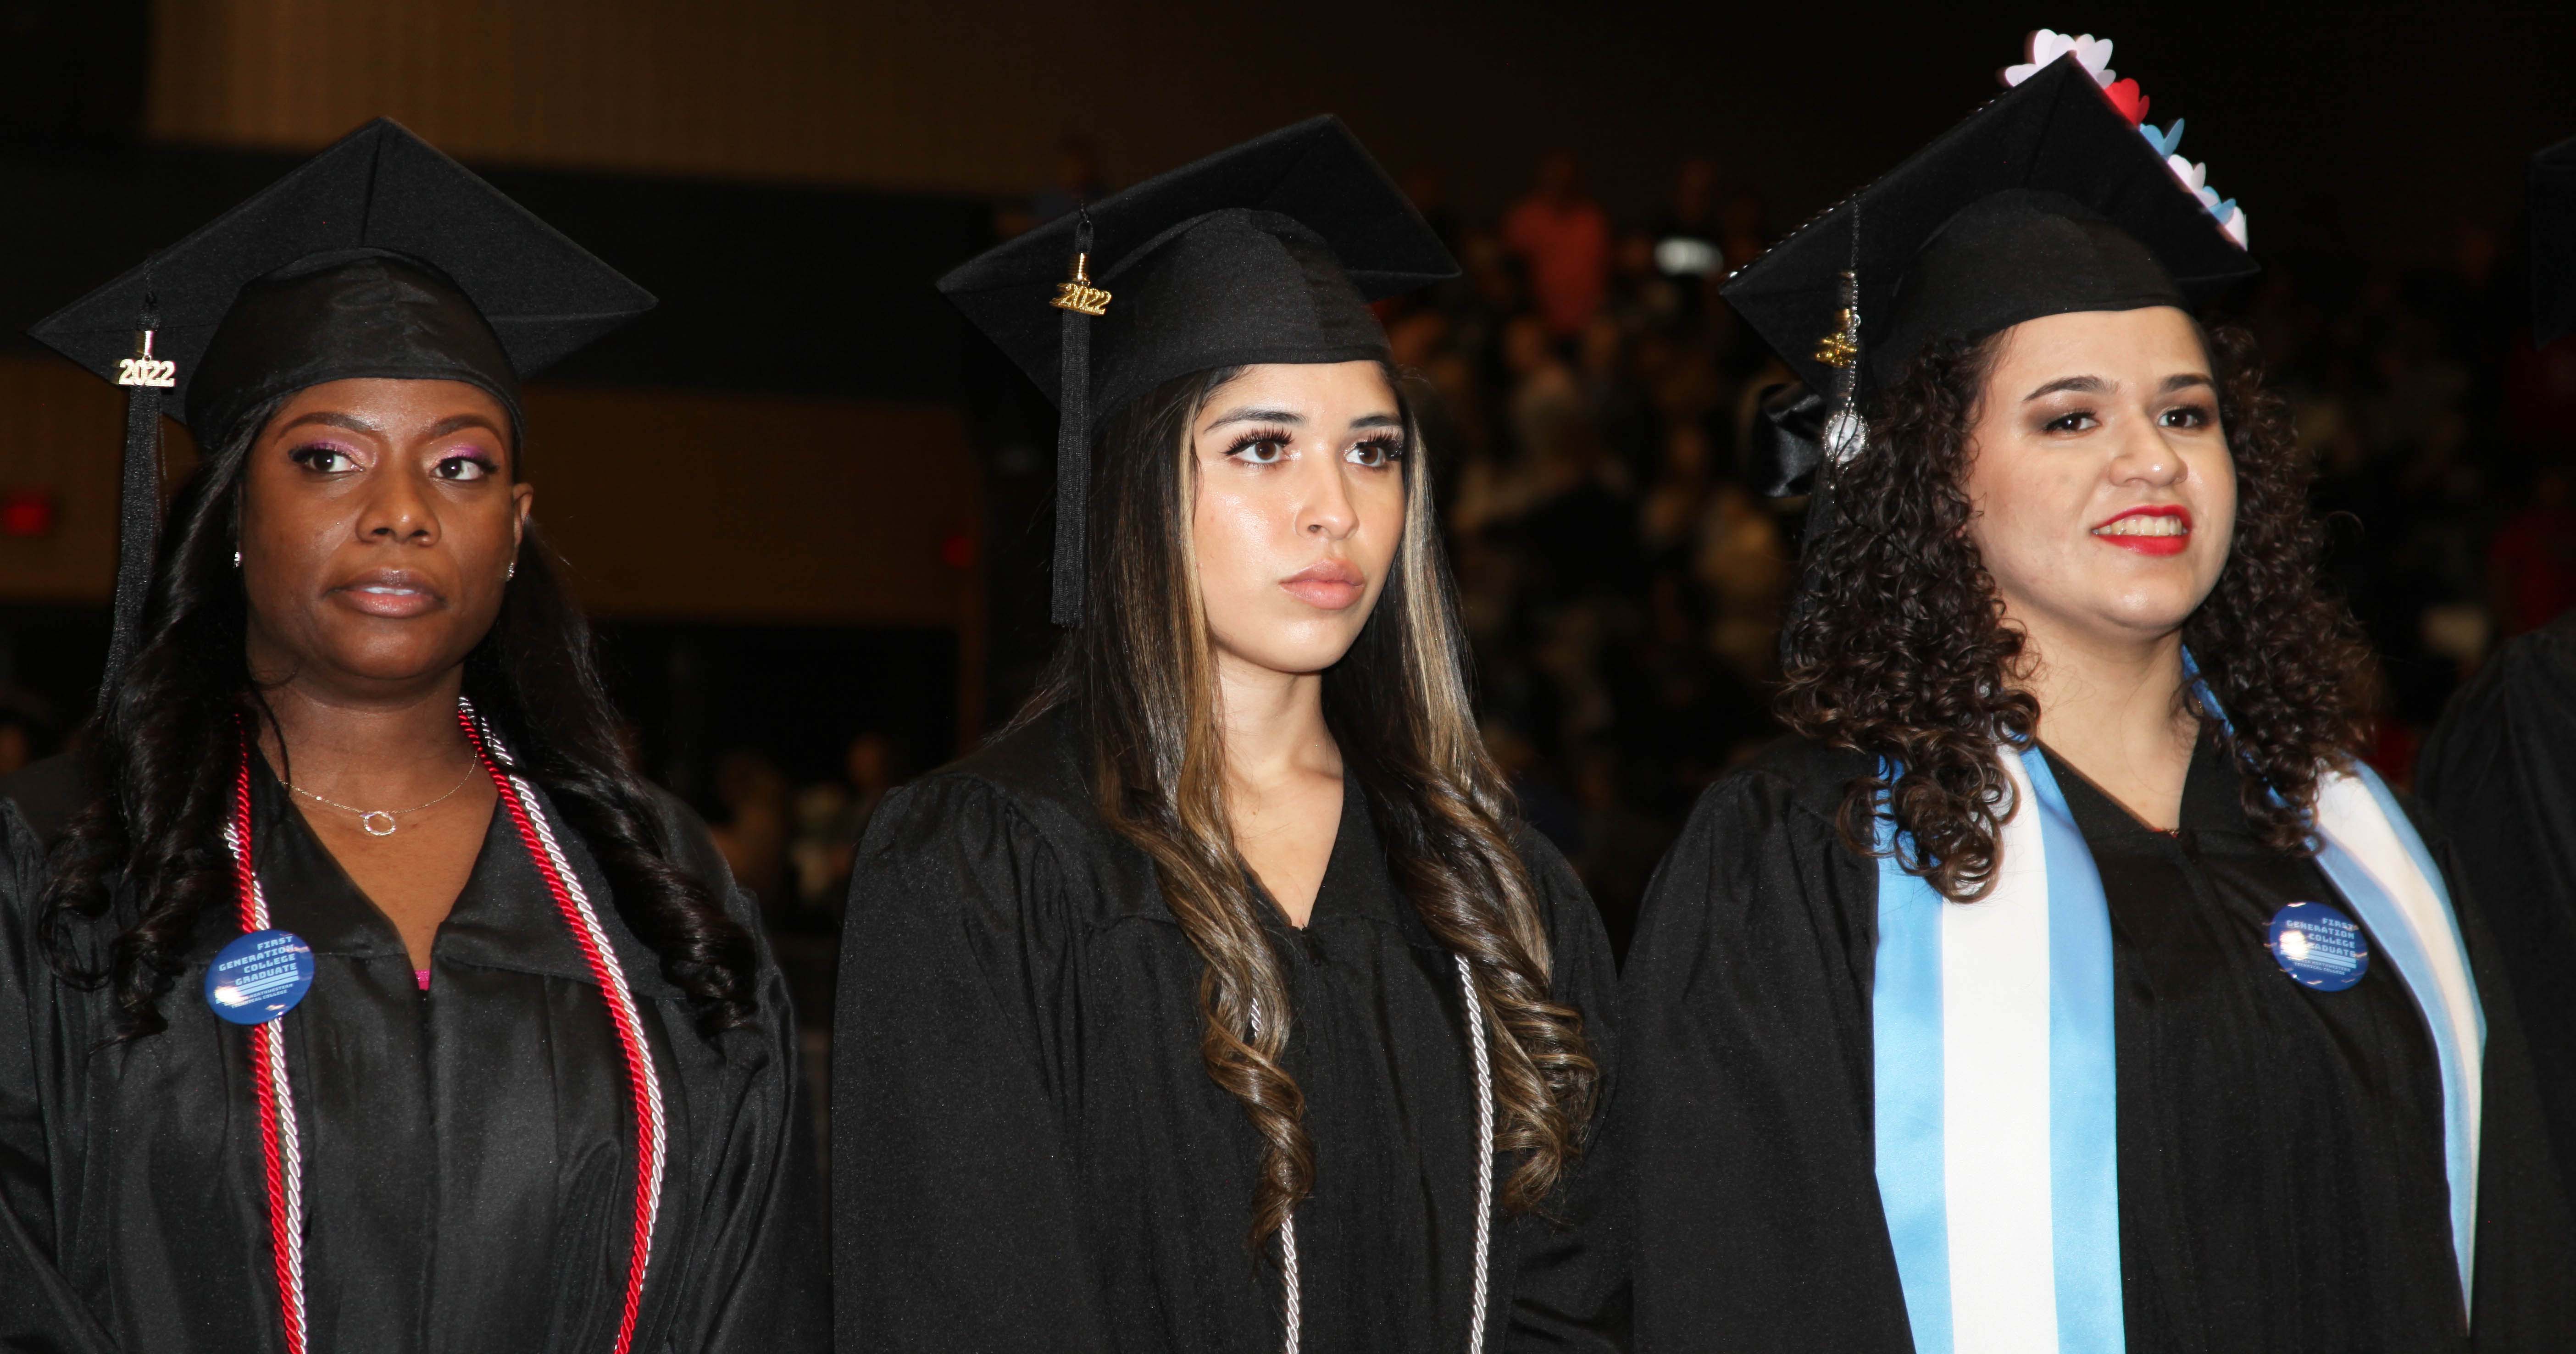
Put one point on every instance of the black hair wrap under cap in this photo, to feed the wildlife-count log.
(1271, 251)
(340, 316)
(379, 257)
(2553, 243)
(2016, 255)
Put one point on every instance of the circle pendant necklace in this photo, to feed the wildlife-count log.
(381, 822)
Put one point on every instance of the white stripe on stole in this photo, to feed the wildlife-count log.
(2375, 859)
(1995, 1139)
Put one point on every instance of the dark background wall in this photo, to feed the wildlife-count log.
(2411, 114)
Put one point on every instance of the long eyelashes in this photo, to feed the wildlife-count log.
(1372, 452)
(321, 455)
(1386, 450)
(1274, 438)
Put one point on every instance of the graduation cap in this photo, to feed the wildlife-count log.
(2046, 201)
(379, 257)
(1268, 252)
(2553, 243)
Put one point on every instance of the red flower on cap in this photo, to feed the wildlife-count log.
(2124, 96)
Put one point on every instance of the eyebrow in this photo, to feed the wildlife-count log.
(462, 421)
(336, 420)
(2095, 385)
(2090, 385)
(1297, 420)
(1252, 415)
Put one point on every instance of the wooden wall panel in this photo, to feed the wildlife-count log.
(679, 506)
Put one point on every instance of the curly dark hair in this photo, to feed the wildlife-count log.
(1900, 649)
(134, 870)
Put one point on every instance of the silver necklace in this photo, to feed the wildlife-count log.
(369, 818)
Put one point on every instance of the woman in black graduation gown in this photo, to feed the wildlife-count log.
(2499, 771)
(1221, 1003)
(505, 1067)
(2065, 983)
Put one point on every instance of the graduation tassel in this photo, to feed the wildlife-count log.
(1841, 437)
(1081, 303)
(138, 531)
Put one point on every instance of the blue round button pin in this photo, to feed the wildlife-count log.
(259, 976)
(2319, 946)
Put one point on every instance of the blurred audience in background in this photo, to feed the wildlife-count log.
(1585, 397)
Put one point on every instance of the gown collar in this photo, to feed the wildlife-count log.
(504, 917)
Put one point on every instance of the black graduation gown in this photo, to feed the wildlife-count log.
(2280, 1150)
(2499, 774)
(469, 1150)
(1028, 1154)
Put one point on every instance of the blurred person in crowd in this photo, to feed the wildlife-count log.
(1743, 563)
(26, 729)
(1689, 239)
(758, 810)
(833, 819)
(1544, 413)
(1224, 1002)
(1562, 237)
(1668, 517)
(1998, 1010)
(2531, 563)
(354, 892)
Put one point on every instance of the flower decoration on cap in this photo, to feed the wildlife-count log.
(2046, 47)
(2094, 54)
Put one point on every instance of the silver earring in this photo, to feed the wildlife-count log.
(236, 559)
(511, 573)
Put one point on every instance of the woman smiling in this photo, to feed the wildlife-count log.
(2065, 983)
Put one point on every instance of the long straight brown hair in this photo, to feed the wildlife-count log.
(1140, 677)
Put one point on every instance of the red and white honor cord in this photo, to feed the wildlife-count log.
(281, 1148)
(278, 1138)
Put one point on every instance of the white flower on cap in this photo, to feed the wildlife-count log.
(2046, 46)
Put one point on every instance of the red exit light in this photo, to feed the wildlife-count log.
(27, 512)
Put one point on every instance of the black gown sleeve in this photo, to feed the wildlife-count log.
(2499, 777)
(1746, 1107)
(1570, 1267)
(38, 1311)
(757, 1265)
(954, 1178)
(2523, 1297)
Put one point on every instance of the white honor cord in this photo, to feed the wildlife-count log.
(1293, 1312)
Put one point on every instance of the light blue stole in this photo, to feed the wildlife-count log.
(1996, 1091)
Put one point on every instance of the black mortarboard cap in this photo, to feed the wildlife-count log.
(1268, 252)
(2095, 216)
(379, 257)
(2553, 243)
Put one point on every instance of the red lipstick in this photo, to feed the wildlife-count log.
(2160, 529)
